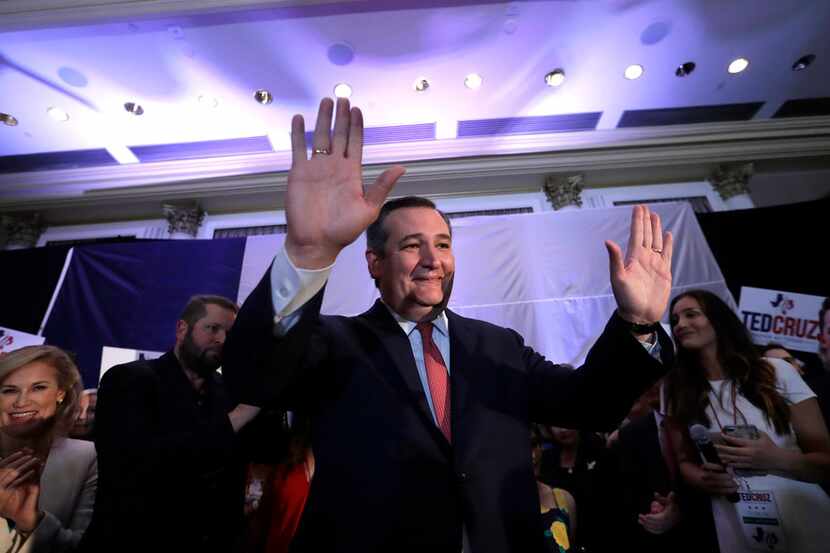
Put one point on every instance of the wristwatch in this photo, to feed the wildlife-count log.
(638, 328)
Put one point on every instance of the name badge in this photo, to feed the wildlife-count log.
(760, 522)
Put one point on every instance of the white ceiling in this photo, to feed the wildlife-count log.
(89, 58)
(166, 63)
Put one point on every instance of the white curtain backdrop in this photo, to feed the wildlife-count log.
(542, 274)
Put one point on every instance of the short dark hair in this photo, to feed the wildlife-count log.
(771, 345)
(376, 234)
(821, 312)
(196, 307)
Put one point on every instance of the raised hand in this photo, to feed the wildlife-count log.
(326, 205)
(642, 280)
(20, 489)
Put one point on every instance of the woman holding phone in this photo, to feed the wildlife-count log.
(722, 383)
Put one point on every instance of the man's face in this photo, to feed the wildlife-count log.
(416, 271)
(824, 341)
(200, 346)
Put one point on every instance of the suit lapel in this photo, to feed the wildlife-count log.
(399, 364)
(461, 363)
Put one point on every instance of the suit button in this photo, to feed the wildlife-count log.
(463, 476)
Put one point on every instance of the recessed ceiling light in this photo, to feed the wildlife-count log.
(57, 114)
(134, 108)
(804, 62)
(7, 119)
(685, 69)
(208, 101)
(555, 77)
(634, 71)
(473, 81)
(421, 84)
(738, 65)
(263, 96)
(342, 90)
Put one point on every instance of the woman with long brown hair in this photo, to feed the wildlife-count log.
(721, 382)
(47, 481)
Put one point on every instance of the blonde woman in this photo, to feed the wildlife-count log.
(47, 481)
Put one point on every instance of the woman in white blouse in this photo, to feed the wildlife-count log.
(720, 381)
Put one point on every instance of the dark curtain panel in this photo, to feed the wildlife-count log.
(783, 247)
(27, 281)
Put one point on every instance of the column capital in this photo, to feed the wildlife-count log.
(563, 190)
(183, 221)
(732, 180)
(21, 231)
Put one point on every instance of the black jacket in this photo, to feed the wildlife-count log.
(386, 479)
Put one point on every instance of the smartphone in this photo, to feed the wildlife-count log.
(749, 432)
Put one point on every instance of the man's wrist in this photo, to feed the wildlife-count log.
(640, 329)
(310, 257)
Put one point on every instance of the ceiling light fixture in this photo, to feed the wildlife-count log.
(555, 77)
(8, 120)
(134, 108)
(421, 84)
(738, 65)
(342, 90)
(473, 81)
(633, 72)
(804, 62)
(57, 114)
(263, 97)
(685, 69)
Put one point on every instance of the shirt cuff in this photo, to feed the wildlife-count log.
(291, 286)
(653, 348)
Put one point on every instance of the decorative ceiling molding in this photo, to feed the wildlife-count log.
(261, 174)
(28, 14)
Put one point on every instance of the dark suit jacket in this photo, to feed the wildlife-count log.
(386, 479)
(169, 476)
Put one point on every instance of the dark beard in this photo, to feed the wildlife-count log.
(197, 360)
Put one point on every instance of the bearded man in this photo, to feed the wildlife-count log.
(170, 473)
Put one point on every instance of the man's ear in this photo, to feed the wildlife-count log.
(181, 330)
(373, 261)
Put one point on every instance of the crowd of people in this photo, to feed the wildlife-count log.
(409, 427)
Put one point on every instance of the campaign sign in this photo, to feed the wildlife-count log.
(786, 318)
(112, 356)
(11, 339)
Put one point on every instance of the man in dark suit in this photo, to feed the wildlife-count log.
(170, 473)
(420, 417)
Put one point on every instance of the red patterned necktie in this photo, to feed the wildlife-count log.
(437, 378)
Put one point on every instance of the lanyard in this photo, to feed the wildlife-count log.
(735, 409)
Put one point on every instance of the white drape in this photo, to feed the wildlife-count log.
(542, 274)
